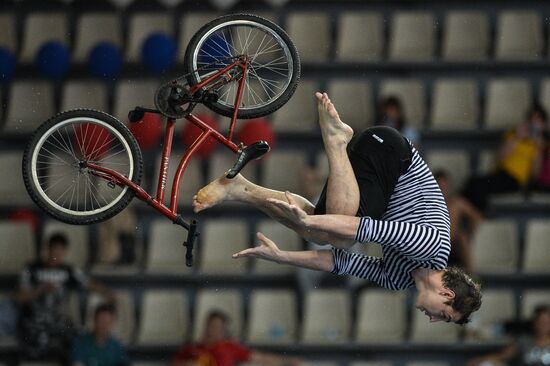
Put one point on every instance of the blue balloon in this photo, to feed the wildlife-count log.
(158, 52)
(7, 64)
(53, 59)
(105, 61)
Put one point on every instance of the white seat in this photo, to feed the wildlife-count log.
(189, 24)
(360, 37)
(285, 238)
(30, 103)
(131, 93)
(455, 104)
(292, 163)
(381, 316)
(537, 249)
(77, 237)
(455, 162)
(465, 36)
(299, 114)
(94, 28)
(84, 94)
(228, 302)
(544, 93)
(412, 36)
(519, 35)
(41, 28)
(317, 326)
(310, 32)
(412, 95)
(507, 101)
(12, 189)
(354, 101)
(495, 247)
(498, 307)
(219, 240)
(125, 314)
(8, 36)
(18, 246)
(531, 299)
(272, 318)
(486, 162)
(141, 26)
(422, 331)
(166, 254)
(155, 328)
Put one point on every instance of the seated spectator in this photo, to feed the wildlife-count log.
(117, 239)
(465, 219)
(44, 329)
(518, 153)
(217, 348)
(99, 347)
(390, 113)
(533, 350)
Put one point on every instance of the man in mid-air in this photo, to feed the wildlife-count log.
(379, 190)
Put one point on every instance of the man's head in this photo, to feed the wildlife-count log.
(216, 327)
(453, 298)
(442, 178)
(104, 319)
(57, 249)
(541, 321)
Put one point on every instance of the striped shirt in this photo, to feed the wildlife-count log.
(414, 232)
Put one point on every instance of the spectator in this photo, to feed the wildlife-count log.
(216, 348)
(390, 113)
(520, 150)
(528, 351)
(44, 329)
(99, 347)
(465, 219)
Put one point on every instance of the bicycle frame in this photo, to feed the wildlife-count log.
(157, 202)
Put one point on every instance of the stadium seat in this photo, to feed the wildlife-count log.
(272, 318)
(72, 308)
(422, 331)
(125, 314)
(228, 302)
(40, 28)
(537, 249)
(412, 36)
(285, 238)
(18, 246)
(390, 322)
(310, 32)
(354, 101)
(507, 101)
(498, 307)
(495, 247)
(221, 161)
(218, 241)
(360, 37)
(317, 327)
(465, 36)
(371, 363)
(141, 26)
(428, 363)
(455, 162)
(131, 93)
(93, 28)
(12, 189)
(290, 162)
(166, 254)
(189, 24)
(155, 328)
(77, 236)
(412, 95)
(486, 162)
(455, 105)
(30, 103)
(299, 114)
(8, 36)
(84, 94)
(519, 35)
(531, 299)
(544, 93)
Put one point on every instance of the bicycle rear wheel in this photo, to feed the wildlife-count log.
(55, 171)
(274, 68)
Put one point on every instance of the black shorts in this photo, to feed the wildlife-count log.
(379, 156)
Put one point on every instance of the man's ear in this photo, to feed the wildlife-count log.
(447, 292)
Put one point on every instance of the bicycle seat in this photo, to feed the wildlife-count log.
(251, 152)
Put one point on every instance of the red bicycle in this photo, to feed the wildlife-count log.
(84, 166)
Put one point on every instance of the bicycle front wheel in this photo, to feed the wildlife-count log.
(56, 175)
(274, 66)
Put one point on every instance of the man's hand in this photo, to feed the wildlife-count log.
(267, 250)
(290, 210)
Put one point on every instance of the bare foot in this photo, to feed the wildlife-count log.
(217, 191)
(334, 131)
